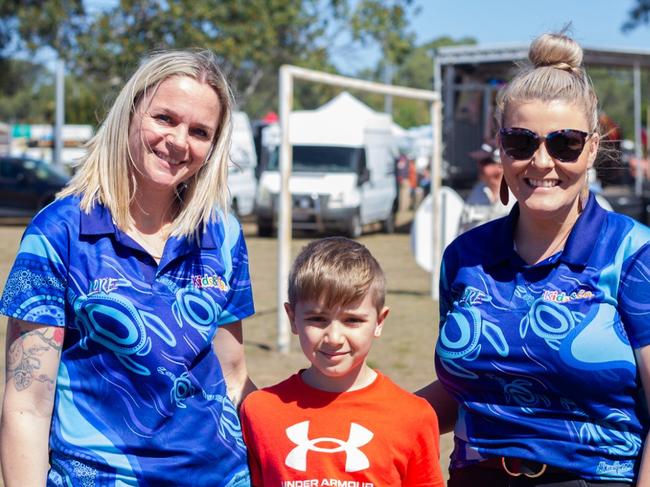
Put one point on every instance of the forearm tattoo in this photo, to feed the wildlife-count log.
(27, 348)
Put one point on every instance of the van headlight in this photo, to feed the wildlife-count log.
(337, 200)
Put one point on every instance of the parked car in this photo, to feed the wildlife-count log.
(27, 185)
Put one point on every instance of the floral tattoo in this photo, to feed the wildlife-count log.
(26, 348)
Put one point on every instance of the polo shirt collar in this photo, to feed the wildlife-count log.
(97, 222)
(585, 232)
(579, 244)
(100, 222)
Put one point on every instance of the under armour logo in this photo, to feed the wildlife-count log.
(355, 459)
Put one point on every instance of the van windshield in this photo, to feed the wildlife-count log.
(323, 158)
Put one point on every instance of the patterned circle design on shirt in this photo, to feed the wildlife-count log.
(550, 321)
(197, 308)
(43, 309)
(460, 334)
(113, 322)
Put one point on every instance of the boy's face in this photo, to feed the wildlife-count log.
(336, 340)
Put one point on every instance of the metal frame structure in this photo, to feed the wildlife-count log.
(287, 75)
(448, 58)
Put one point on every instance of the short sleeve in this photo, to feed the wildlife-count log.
(634, 297)
(424, 466)
(445, 296)
(249, 439)
(36, 286)
(239, 299)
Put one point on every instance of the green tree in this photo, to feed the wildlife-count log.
(36, 23)
(414, 70)
(637, 16)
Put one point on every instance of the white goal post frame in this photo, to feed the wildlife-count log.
(287, 74)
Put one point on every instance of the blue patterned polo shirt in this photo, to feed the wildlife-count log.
(541, 357)
(140, 396)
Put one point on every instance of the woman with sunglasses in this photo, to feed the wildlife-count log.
(542, 357)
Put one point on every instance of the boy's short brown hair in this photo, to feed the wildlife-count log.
(336, 271)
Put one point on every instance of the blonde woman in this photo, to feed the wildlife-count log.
(543, 356)
(121, 291)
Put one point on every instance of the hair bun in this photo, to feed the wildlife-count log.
(556, 51)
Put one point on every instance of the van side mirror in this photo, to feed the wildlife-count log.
(364, 176)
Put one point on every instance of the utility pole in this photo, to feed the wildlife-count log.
(60, 111)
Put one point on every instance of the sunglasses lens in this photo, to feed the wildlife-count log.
(519, 144)
(566, 145)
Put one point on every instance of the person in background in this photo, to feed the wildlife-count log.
(339, 422)
(125, 362)
(543, 355)
(483, 202)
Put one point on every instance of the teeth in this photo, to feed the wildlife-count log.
(543, 183)
(166, 159)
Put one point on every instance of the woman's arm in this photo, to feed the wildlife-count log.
(33, 354)
(229, 346)
(443, 404)
(643, 364)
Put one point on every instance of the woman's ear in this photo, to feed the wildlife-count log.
(594, 143)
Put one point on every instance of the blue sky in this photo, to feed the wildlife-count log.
(594, 23)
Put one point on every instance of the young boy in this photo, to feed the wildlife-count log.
(339, 422)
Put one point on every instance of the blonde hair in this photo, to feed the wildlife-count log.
(336, 271)
(555, 73)
(106, 173)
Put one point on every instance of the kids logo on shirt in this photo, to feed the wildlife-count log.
(562, 297)
(203, 281)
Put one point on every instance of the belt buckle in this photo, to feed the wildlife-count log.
(518, 474)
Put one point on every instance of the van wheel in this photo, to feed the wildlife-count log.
(264, 228)
(388, 225)
(354, 227)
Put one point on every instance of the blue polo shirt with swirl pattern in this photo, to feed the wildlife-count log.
(140, 395)
(541, 357)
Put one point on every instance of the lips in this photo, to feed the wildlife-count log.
(542, 183)
(333, 354)
(167, 159)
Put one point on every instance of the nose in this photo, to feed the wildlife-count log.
(542, 158)
(333, 333)
(177, 139)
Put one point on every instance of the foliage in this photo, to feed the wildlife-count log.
(252, 39)
(637, 16)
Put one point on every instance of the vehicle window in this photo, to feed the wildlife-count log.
(321, 158)
(10, 168)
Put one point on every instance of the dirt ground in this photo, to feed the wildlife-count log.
(404, 352)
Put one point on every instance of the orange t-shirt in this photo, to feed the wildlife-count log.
(377, 436)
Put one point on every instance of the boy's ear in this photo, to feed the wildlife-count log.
(381, 316)
(291, 314)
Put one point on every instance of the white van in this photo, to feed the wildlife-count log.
(241, 171)
(343, 173)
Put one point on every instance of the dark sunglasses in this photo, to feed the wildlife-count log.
(564, 145)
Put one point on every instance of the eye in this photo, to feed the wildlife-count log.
(315, 319)
(200, 133)
(163, 118)
(354, 320)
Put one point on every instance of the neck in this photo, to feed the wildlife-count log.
(151, 214)
(539, 238)
(352, 381)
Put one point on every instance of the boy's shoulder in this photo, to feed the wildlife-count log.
(403, 400)
(283, 391)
